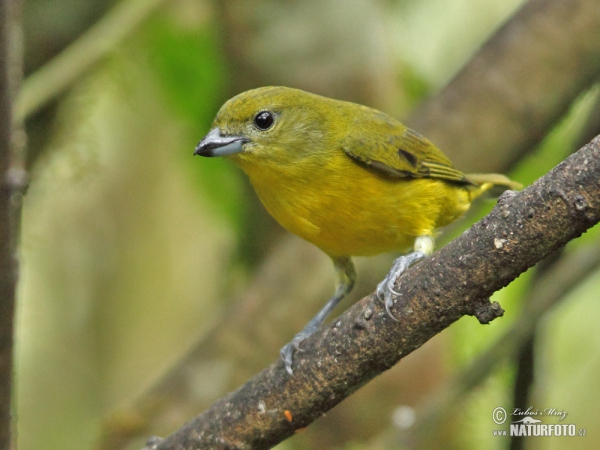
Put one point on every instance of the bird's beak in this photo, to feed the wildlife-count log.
(215, 144)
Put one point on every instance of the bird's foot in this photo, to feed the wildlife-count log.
(385, 289)
(287, 351)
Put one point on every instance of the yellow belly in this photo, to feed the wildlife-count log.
(345, 209)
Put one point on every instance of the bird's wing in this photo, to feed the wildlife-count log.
(395, 150)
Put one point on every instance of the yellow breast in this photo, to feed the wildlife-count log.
(346, 209)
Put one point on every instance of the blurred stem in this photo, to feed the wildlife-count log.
(78, 58)
(525, 357)
(13, 182)
(523, 383)
(591, 127)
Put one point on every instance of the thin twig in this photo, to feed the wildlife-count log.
(79, 57)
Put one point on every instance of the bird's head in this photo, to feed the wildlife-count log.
(278, 124)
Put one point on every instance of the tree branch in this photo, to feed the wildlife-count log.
(12, 183)
(6, 282)
(517, 86)
(548, 290)
(362, 343)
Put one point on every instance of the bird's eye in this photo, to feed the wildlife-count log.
(264, 120)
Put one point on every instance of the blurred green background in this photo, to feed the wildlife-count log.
(135, 254)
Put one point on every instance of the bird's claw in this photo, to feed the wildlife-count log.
(152, 442)
(385, 290)
(389, 302)
(287, 351)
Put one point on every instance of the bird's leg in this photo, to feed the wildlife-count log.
(423, 247)
(346, 276)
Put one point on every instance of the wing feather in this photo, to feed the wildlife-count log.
(394, 150)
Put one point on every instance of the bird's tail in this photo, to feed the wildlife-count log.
(493, 182)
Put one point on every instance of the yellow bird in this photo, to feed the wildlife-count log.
(348, 178)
